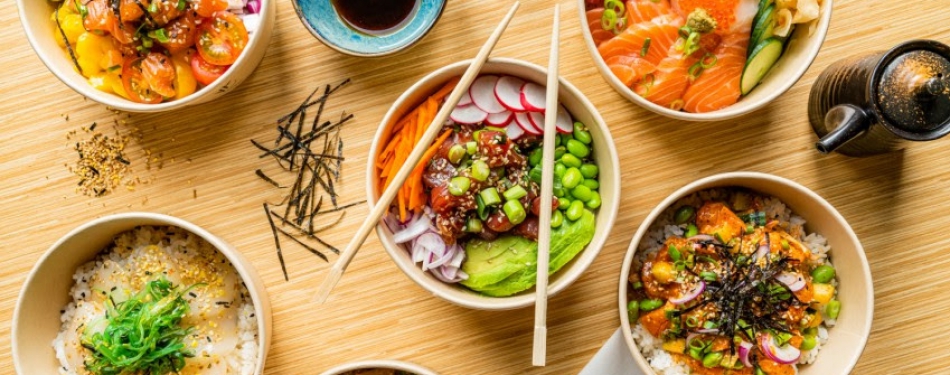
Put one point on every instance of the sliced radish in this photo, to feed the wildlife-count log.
(483, 94)
(513, 130)
(532, 97)
(521, 118)
(508, 93)
(563, 122)
(537, 119)
(469, 114)
(500, 119)
(466, 99)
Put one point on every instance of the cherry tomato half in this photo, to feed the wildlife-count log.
(206, 8)
(206, 73)
(135, 83)
(222, 38)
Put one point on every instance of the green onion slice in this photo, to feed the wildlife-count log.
(609, 20)
(708, 61)
(646, 46)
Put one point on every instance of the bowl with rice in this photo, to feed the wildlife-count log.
(141, 293)
(745, 273)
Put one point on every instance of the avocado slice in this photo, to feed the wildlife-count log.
(508, 265)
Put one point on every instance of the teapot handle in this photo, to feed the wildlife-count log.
(848, 121)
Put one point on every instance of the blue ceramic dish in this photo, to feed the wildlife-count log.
(323, 21)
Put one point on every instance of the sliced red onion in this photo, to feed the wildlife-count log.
(711, 331)
(253, 7)
(423, 246)
(690, 295)
(414, 229)
(744, 349)
(690, 337)
(794, 282)
(761, 252)
(785, 355)
(439, 257)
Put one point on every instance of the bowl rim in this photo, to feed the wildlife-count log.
(722, 114)
(724, 180)
(259, 298)
(313, 31)
(377, 363)
(526, 298)
(268, 16)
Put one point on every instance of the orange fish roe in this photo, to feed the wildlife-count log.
(723, 11)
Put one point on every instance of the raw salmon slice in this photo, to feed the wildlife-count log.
(596, 26)
(630, 41)
(718, 86)
(629, 69)
(668, 83)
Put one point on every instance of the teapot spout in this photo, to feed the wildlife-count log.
(848, 121)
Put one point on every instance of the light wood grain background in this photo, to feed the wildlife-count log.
(897, 202)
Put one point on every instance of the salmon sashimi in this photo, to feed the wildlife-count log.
(639, 11)
(668, 83)
(596, 25)
(717, 87)
(630, 42)
(629, 69)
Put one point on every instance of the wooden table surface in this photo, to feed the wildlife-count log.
(895, 202)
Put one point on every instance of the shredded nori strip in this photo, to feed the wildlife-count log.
(280, 254)
(69, 47)
(316, 170)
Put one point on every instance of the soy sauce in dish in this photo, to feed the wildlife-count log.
(374, 16)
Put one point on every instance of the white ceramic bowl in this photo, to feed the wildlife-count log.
(379, 364)
(36, 320)
(41, 32)
(855, 290)
(800, 51)
(605, 154)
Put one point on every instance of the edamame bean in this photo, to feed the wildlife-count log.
(570, 160)
(575, 211)
(577, 148)
(592, 184)
(582, 193)
(823, 274)
(633, 311)
(557, 218)
(563, 203)
(650, 304)
(594, 202)
(589, 170)
(833, 309)
(572, 178)
(684, 214)
(559, 151)
(535, 175)
(712, 359)
(559, 170)
(583, 136)
(809, 343)
(558, 140)
(535, 157)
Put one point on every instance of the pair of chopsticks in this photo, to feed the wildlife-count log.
(544, 231)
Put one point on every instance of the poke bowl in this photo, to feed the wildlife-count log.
(141, 292)
(464, 226)
(745, 273)
(379, 367)
(149, 58)
(703, 60)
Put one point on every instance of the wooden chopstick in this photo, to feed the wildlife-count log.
(382, 206)
(547, 191)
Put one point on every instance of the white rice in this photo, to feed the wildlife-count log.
(225, 335)
(651, 347)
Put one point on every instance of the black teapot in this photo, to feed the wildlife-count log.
(872, 103)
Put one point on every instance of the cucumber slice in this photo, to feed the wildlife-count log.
(764, 28)
(763, 57)
(763, 4)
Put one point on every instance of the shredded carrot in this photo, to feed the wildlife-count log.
(405, 134)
